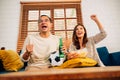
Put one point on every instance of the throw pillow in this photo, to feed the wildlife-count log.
(11, 60)
(78, 62)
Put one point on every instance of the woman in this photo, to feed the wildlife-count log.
(80, 42)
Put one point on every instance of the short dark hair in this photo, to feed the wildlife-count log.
(46, 16)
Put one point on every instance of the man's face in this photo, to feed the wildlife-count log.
(44, 24)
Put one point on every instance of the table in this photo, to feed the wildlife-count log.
(88, 73)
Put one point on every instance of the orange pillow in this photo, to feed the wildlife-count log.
(11, 60)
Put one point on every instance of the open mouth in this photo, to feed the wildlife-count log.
(44, 26)
(80, 33)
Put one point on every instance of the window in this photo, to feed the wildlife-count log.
(64, 21)
(65, 16)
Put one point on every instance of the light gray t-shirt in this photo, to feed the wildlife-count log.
(42, 47)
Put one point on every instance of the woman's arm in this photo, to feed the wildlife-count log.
(94, 18)
(100, 36)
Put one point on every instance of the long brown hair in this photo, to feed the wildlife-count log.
(75, 38)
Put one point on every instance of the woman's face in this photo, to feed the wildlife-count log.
(80, 31)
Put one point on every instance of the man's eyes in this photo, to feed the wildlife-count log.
(46, 20)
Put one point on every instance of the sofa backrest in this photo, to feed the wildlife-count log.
(115, 58)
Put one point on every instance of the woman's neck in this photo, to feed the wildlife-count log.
(81, 43)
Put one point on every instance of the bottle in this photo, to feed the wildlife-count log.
(61, 54)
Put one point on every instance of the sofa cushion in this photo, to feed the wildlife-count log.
(115, 58)
(104, 55)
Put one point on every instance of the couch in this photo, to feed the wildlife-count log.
(108, 59)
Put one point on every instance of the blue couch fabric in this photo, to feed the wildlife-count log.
(109, 59)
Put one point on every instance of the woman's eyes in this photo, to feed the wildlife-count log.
(79, 28)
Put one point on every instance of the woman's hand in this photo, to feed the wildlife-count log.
(94, 17)
(72, 55)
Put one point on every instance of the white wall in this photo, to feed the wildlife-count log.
(9, 23)
(106, 10)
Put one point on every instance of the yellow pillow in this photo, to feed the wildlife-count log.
(78, 62)
(11, 60)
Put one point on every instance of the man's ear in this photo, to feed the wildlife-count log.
(51, 26)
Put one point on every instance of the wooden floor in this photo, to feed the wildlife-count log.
(89, 73)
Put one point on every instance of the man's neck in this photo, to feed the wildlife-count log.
(44, 35)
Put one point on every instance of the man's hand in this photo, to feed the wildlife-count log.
(64, 49)
(29, 48)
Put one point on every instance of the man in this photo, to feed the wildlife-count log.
(37, 47)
